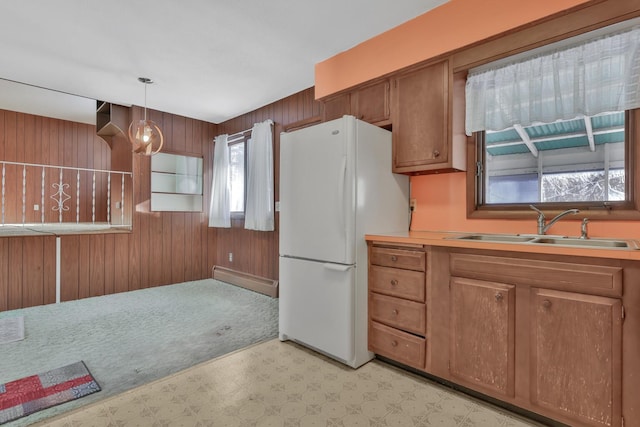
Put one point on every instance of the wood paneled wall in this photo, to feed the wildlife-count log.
(27, 271)
(39, 140)
(163, 247)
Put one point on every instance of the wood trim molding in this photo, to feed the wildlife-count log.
(261, 285)
(302, 123)
(572, 22)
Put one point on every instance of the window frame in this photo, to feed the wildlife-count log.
(242, 140)
(568, 23)
(614, 210)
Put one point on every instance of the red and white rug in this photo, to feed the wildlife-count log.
(27, 395)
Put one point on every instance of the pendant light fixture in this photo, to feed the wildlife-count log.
(145, 136)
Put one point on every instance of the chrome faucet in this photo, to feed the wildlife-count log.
(542, 227)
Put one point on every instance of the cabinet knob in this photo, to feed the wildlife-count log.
(394, 312)
(394, 258)
(394, 282)
(394, 343)
(499, 296)
(436, 153)
(546, 303)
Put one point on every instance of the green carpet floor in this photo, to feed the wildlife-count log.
(132, 338)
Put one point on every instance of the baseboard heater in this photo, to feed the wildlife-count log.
(249, 281)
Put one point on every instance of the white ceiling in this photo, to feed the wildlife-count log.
(210, 59)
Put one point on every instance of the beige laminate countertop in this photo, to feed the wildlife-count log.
(447, 239)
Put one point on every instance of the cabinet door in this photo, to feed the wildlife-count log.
(482, 344)
(336, 107)
(576, 364)
(371, 103)
(420, 116)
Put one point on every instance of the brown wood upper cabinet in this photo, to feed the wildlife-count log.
(423, 120)
(336, 107)
(369, 103)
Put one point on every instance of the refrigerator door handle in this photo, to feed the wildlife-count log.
(336, 267)
(343, 173)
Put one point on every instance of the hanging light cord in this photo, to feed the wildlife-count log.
(146, 81)
(145, 101)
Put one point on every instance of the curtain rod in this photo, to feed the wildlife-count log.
(238, 134)
(242, 132)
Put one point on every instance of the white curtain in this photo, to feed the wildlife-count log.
(259, 207)
(219, 212)
(596, 76)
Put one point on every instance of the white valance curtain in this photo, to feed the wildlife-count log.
(219, 209)
(259, 207)
(596, 76)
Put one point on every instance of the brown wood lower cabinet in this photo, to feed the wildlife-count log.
(397, 312)
(548, 334)
(576, 344)
(397, 345)
(542, 332)
(397, 309)
(481, 340)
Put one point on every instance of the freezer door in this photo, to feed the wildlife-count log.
(316, 306)
(317, 187)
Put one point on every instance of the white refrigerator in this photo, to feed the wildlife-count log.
(336, 186)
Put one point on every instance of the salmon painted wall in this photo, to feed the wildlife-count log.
(441, 206)
(453, 25)
(441, 198)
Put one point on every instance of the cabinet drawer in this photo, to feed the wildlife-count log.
(396, 282)
(399, 258)
(406, 315)
(397, 345)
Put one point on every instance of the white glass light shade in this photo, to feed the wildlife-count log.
(146, 137)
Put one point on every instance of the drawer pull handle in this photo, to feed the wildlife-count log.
(499, 296)
(394, 312)
(394, 282)
(394, 343)
(546, 303)
(436, 153)
(394, 258)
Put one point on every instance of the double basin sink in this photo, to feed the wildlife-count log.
(536, 239)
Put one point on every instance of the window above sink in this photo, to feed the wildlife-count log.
(546, 131)
(579, 160)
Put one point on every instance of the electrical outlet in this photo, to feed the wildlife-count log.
(36, 207)
(230, 256)
(413, 204)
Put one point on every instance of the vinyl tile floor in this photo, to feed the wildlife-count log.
(283, 384)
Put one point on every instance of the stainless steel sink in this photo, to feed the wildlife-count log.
(498, 238)
(534, 239)
(586, 243)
